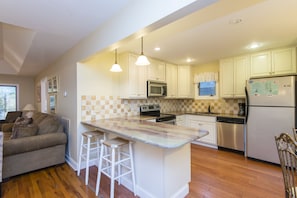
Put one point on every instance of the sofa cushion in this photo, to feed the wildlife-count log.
(33, 143)
(50, 124)
(38, 117)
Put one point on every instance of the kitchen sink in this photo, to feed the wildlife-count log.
(206, 113)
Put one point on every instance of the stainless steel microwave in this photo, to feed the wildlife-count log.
(156, 89)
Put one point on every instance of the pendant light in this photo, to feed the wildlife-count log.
(116, 67)
(142, 59)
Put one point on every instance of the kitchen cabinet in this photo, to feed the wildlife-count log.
(133, 78)
(171, 80)
(233, 75)
(184, 82)
(156, 71)
(181, 120)
(207, 123)
(274, 62)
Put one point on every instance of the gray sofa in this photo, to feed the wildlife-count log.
(32, 146)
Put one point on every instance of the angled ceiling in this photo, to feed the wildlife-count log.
(33, 34)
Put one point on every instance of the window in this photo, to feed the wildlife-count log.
(207, 90)
(8, 99)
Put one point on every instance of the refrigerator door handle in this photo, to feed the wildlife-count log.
(247, 104)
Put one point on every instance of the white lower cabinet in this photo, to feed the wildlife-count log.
(181, 120)
(207, 123)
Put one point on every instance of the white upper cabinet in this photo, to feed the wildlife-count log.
(171, 80)
(284, 61)
(156, 71)
(133, 78)
(233, 75)
(275, 62)
(184, 82)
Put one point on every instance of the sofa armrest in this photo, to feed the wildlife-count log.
(7, 127)
(27, 144)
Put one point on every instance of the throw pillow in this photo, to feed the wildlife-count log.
(23, 127)
(24, 131)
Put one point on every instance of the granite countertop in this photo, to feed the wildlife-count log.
(157, 134)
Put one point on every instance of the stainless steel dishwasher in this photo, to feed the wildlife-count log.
(231, 133)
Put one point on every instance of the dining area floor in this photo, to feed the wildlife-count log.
(214, 174)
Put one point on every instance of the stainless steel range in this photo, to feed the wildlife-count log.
(154, 110)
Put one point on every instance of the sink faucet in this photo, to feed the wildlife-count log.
(209, 109)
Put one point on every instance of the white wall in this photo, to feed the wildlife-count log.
(26, 88)
(126, 24)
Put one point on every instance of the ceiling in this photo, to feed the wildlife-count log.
(32, 40)
(208, 35)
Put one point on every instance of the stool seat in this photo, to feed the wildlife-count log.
(115, 142)
(90, 134)
(89, 147)
(112, 156)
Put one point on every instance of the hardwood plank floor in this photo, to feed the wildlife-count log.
(215, 174)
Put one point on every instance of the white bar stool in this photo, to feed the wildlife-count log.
(90, 143)
(108, 162)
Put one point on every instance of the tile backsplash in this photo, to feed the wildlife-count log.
(100, 107)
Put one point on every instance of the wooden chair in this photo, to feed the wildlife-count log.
(295, 134)
(286, 147)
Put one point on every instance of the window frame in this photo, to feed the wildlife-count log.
(17, 93)
(197, 97)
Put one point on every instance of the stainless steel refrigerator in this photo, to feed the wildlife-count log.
(271, 110)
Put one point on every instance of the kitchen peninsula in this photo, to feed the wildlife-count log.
(162, 154)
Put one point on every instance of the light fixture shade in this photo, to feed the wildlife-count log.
(29, 107)
(116, 68)
(142, 60)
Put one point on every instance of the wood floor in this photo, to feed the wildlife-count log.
(215, 174)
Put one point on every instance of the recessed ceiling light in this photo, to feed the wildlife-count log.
(189, 60)
(235, 21)
(157, 48)
(254, 45)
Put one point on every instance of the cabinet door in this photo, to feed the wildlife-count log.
(226, 78)
(211, 138)
(171, 79)
(137, 79)
(184, 84)
(156, 71)
(284, 61)
(181, 120)
(241, 74)
(261, 64)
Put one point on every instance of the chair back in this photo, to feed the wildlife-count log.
(286, 147)
(11, 116)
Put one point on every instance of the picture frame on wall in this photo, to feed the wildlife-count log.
(55, 84)
(50, 85)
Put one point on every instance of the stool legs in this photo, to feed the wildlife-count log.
(88, 147)
(87, 161)
(80, 156)
(132, 166)
(112, 173)
(99, 170)
(112, 160)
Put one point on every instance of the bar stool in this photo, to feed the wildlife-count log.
(108, 162)
(88, 147)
